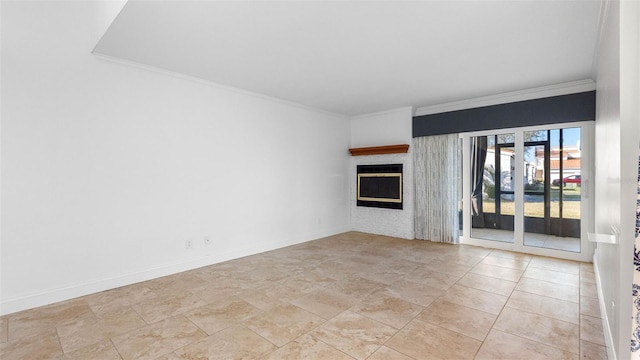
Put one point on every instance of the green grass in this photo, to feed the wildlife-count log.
(570, 210)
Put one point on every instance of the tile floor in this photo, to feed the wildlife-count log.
(349, 296)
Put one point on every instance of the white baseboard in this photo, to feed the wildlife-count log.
(77, 290)
(608, 338)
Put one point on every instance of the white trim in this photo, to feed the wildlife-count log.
(215, 85)
(51, 296)
(384, 112)
(509, 97)
(518, 189)
(608, 336)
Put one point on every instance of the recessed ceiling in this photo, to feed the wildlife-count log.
(358, 57)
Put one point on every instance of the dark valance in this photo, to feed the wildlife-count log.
(544, 111)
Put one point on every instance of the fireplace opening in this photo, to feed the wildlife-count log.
(380, 186)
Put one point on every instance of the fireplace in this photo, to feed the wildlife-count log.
(380, 186)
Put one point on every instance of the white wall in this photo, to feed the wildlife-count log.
(108, 169)
(385, 128)
(382, 128)
(617, 140)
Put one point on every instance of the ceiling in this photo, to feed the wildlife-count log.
(359, 57)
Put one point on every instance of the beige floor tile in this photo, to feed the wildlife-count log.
(497, 272)
(354, 334)
(307, 347)
(313, 277)
(355, 287)
(260, 298)
(360, 261)
(587, 277)
(475, 299)
(470, 260)
(166, 306)
(458, 318)
(543, 305)
(391, 271)
(420, 255)
(283, 323)
(158, 339)
(91, 331)
(510, 263)
(226, 270)
(591, 351)
(41, 345)
(388, 310)
(586, 266)
(552, 276)
(175, 284)
(120, 298)
(267, 271)
(590, 306)
(419, 294)
(591, 329)
(511, 255)
(336, 270)
(588, 290)
(423, 275)
(285, 292)
(46, 318)
(169, 356)
(487, 283)
(422, 340)
(219, 287)
(236, 342)
(222, 314)
(553, 290)
(104, 350)
(553, 264)
(4, 329)
(385, 353)
(557, 333)
(306, 281)
(324, 302)
(503, 346)
(471, 250)
(449, 267)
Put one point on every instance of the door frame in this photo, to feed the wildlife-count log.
(586, 202)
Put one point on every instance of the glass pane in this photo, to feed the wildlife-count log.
(552, 201)
(492, 187)
(506, 138)
(507, 168)
(534, 184)
(538, 135)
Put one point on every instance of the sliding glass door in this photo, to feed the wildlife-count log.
(553, 189)
(524, 189)
(492, 207)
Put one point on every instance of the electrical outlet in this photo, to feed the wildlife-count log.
(188, 244)
(207, 240)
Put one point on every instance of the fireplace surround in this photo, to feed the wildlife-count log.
(379, 186)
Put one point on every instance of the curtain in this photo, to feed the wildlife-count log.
(436, 178)
(635, 338)
(478, 156)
